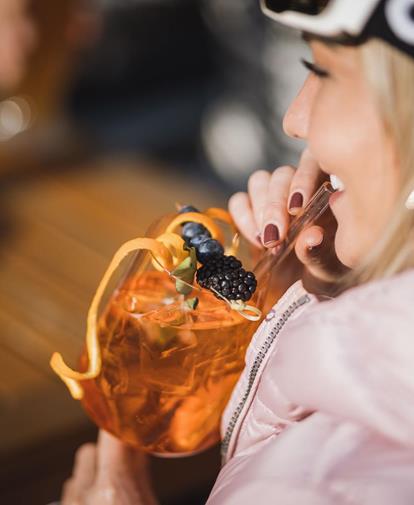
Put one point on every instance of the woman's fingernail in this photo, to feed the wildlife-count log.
(315, 248)
(271, 234)
(296, 201)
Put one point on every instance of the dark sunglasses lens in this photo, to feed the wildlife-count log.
(311, 7)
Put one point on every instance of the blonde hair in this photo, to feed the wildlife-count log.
(391, 75)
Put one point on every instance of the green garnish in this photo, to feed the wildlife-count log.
(185, 272)
(192, 303)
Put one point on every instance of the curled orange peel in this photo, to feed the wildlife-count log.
(70, 377)
(225, 217)
(221, 215)
(175, 244)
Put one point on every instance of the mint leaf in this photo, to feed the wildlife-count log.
(192, 303)
(185, 271)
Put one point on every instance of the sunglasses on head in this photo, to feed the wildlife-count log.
(348, 21)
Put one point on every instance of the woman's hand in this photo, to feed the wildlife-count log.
(108, 473)
(263, 215)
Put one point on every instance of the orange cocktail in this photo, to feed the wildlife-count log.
(166, 373)
(163, 356)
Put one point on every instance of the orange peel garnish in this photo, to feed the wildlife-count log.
(225, 217)
(71, 377)
(234, 247)
(197, 217)
(221, 215)
(175, 244)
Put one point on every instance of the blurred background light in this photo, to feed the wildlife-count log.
(234, 140)
(15, 117)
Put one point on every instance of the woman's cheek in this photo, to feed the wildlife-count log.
(336, 134)
(326, 140)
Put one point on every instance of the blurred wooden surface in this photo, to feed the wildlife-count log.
(59, 227)
(63, 229)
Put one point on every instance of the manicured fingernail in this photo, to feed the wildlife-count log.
(271, 234)
(296, 201)
(315, 248)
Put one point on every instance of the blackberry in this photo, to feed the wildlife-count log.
(226, 275)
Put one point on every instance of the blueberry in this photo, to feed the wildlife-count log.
(198, 239)
(208, 249)
(187, 208)
(190, 230)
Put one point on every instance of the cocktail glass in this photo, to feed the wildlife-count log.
(158, 368)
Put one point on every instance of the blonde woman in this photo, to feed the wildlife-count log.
(324, 412)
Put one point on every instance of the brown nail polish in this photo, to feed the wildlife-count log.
(296, 202)
(271, 234)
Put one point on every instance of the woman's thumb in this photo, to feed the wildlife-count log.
(315, 249)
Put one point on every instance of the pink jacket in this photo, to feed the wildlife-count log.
(324, 412)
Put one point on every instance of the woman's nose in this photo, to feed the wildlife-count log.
(297, 117)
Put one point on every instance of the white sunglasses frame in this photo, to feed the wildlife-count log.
(338, 17)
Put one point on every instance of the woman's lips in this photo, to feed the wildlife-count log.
(339, 186)
(334, 197)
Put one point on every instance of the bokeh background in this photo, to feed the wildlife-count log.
(110, 112)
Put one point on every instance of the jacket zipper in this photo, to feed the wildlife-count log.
(256, 366)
